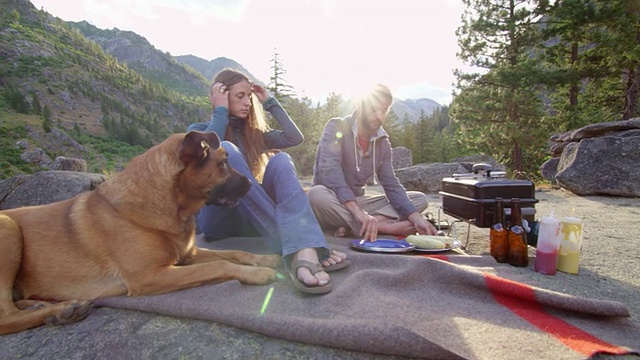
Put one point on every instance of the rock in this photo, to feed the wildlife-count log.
(549, 169)
(401, 157)
(69, 164)
(427, 178)
(36, 156)
(623, 128)
(601, 166)
(45, 187)
(597, 129)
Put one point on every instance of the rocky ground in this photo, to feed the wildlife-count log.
(608, 270)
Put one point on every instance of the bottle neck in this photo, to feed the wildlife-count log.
(516, 213)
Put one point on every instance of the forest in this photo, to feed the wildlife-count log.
(542, 68)
(538, 68)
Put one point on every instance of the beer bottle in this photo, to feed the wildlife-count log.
(518, 250)
(498, 236)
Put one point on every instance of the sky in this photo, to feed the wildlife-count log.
(325, 46)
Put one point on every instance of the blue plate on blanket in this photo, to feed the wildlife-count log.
(383, 245)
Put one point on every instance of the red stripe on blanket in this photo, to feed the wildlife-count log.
(439, 257)
(525, 305)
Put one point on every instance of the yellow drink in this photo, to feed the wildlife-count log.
(569, 255)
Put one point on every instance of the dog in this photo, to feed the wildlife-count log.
(134, 234)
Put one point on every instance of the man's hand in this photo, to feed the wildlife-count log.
(369, 227)
(422, 225)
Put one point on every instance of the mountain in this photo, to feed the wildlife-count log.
(53, 78)
(71, 89)
(142, 57)
(209, 69)
(414, 108)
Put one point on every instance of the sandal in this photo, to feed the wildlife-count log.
(335, 267)
(300, 285)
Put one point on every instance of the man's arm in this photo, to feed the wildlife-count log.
(328, 170)
(329, 173)
(393, 189)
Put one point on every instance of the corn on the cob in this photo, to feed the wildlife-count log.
(429, 241)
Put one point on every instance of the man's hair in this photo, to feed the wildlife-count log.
(379, 93)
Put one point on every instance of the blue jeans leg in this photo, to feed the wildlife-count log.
(278, 209)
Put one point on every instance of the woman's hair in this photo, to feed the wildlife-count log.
(254, 126)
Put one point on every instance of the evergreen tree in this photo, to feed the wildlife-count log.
(35, 103)
(407, 129)
(278, 86)
(497, 108)
(392, 127)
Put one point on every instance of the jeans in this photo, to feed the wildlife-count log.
(278, 209)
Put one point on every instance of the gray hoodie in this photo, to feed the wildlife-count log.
(343, 168)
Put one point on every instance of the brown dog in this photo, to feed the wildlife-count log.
(134, 234)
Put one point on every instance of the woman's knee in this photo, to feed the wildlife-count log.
(231, 148)
(281, 159)
(235, 157)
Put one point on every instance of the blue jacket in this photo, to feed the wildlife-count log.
(288, 136)
(342, 167)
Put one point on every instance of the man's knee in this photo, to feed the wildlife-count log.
(318, 195)
(419, 200)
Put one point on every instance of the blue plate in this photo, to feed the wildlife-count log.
(383, 245)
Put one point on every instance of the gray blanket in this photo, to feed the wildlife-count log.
(443, 306)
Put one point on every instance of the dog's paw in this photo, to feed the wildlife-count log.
(72, 311)
(271, 261)
(259, 275)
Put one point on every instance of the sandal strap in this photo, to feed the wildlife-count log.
(313, 267)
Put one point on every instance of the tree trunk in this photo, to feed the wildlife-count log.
(631, 93)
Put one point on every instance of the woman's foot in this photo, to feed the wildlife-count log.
(304, 274)
(335, 257)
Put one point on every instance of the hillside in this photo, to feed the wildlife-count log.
(142, 57)
(51, 73)
(71, 89)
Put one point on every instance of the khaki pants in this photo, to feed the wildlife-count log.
(332, 214)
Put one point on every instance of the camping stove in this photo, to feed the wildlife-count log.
(471, 197)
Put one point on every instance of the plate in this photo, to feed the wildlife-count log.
(454, 245)
(383, 245)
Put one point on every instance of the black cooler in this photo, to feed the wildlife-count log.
(472, 197)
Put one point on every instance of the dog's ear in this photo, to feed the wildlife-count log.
(196, 146)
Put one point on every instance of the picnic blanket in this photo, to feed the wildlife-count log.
(440, 306)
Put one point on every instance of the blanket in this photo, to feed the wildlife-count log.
(450, 305)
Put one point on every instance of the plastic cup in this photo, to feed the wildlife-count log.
(569, 256)
(548, 245)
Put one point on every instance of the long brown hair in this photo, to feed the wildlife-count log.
(255, 126)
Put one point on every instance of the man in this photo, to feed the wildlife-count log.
(350, 152)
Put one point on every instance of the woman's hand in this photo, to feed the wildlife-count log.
(260, 92)
(219, 95)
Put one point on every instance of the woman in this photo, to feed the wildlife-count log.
(276, 207)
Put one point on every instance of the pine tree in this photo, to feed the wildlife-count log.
(392, 127)
(497, 107)
(278, 86)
